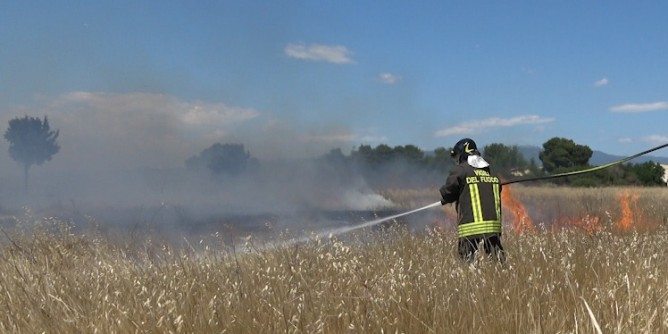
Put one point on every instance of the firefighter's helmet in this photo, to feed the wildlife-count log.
(464, 148)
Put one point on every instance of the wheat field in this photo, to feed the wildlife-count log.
(560, 277)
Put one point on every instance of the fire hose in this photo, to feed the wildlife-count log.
(537, 178)
(588, 170)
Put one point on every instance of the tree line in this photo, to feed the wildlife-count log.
(32, 142)
(402, 165)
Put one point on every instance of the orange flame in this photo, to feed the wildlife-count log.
(588, 223)
(629, 217)
(521, 222)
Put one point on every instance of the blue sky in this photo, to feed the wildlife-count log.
(151, 83)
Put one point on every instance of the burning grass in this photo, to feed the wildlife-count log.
(556, 280)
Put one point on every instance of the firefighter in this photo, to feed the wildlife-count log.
(477, 197)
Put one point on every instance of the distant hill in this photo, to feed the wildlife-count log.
(598, 158)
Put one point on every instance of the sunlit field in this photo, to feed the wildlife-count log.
(579, 261)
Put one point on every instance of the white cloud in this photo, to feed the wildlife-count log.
(478, 125)
(656, 139)
(527, 70)
(640, 107)
(345, 137)
(600, 83)
(317, 52)
(463, 128)
(194, 113)
(199, 113)
(625, 140)
(389, 78)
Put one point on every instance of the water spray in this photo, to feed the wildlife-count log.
(346, 229)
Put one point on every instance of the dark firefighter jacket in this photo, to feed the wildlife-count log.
(477, 195)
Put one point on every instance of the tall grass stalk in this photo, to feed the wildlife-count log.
(380, 281)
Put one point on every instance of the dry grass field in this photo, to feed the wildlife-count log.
(580, 261)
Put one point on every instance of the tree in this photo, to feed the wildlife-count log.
(221, 159)
(505, 159)
(31, 142)
(409, 153)
(649, 173)
(440, 161)
(534, 169)
(372, 157)
(383, 154)
(561, 154)
(335, 156)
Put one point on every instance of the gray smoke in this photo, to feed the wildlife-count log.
(122, 161)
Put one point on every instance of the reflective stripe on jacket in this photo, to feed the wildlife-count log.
(477, 194)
